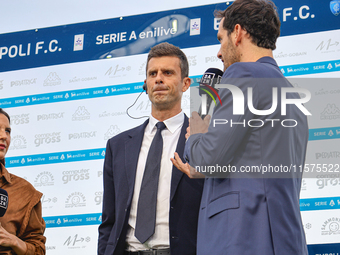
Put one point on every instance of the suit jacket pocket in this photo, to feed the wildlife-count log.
(230, 200)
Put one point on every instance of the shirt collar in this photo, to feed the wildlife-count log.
(4, 173)
(172, 124)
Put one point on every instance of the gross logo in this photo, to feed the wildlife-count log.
(23, 82)
(331, 226)
(44, 179)
(1, 84)
(331, 112)
(18, 143)
(52, 79)
(75, 199)
(192, 60)
(51, 116)
(48, 138)
(20, 119)
(81, 114)
(82, 135)
(98, 197)
(328, 180)
(113, 130)
(335, 7)
(76, 175)
(76, 241)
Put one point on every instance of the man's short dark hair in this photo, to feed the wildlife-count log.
(168, 50)
(258, 17)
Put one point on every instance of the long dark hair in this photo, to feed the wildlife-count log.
(9, 119)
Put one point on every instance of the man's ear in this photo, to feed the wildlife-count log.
(237, 34)
(145, 87)
(186, 84)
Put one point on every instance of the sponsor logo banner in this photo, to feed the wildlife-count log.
(73, 220)
(185, 28)
(323, 203)
(54, 158)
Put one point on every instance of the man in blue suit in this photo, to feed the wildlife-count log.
(252, 207)
(178, 197)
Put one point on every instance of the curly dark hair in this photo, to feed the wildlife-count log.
(168, 50)
(9, 119)
(258, 17)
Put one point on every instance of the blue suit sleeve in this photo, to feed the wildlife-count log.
(226, 131)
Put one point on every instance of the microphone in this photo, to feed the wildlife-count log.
(210, 78)
(3, 202)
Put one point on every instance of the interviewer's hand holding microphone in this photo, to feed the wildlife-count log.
(198, 123)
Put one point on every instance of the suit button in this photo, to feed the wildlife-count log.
(117, 238)
(125, 210)
(174, 237)
(172, 207)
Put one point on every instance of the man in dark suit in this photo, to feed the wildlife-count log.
(126, 167)
(248, 210)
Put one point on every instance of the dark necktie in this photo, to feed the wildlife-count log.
(147, 202)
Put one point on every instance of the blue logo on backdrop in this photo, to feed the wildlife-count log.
(335, 7)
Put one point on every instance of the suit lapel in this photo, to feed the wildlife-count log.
(177, 174)
(133, 144)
